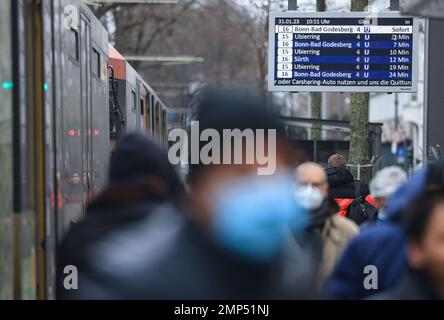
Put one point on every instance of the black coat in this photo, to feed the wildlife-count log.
(342, 183)
(140, 179)
(100, 223)
(167, 256)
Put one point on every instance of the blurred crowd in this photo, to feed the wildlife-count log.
(225, 232)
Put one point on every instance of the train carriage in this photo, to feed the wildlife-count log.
(133, 102)
(56, 123)
(156, 115)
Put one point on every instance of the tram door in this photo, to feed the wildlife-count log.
(86, 108)
(158, 123)
(136, 105)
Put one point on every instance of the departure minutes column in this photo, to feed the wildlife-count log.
(284, 35)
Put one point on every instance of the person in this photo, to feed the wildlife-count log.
(381, 245)
(229, 241)
(343, 185)
(386, 181)
(424, 279)
(335, 232)
(140, 179)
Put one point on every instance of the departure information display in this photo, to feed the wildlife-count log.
(342, 52)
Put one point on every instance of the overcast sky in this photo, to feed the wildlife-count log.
(332, 5)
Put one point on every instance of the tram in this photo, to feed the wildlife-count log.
(66, 97)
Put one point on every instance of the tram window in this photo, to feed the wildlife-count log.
(158, 114)
(95, 61)
(142, 107)
(134, 100)
(164, 124)
(153, 113)
(74, 44)
(148, 114)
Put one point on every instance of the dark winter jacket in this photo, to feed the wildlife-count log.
(328, 208)
(342, 188)
(141, 178)
(341, 183)
(381, 245)
(168, 256)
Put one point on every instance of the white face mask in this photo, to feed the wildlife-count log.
(309, 197)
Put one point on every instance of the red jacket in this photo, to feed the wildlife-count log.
(342, 188)
(343, 204)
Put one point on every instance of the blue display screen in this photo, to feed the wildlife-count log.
(344, 52)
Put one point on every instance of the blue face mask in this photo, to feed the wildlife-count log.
(253, 216)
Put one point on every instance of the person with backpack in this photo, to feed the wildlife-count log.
(382, 245)
(352, 196)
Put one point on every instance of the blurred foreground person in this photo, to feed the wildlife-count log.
(248, 216)
(382, 186)
(329, 231)
(140, 179)
(348, 192)
(425, 250)
(382, 244)
(230, 242)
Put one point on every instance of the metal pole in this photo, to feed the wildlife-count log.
(425, 138)
(435, 93)
(394, 6)
(292, 5)
(396, 112)
(315, 150)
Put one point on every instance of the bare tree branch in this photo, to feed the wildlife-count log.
(102, 10)
(164, 26)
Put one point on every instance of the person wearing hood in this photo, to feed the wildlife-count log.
(140, 179)
(343, 185)
(328, 232)
(381, 245)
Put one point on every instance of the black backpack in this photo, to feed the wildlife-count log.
(360, 210)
